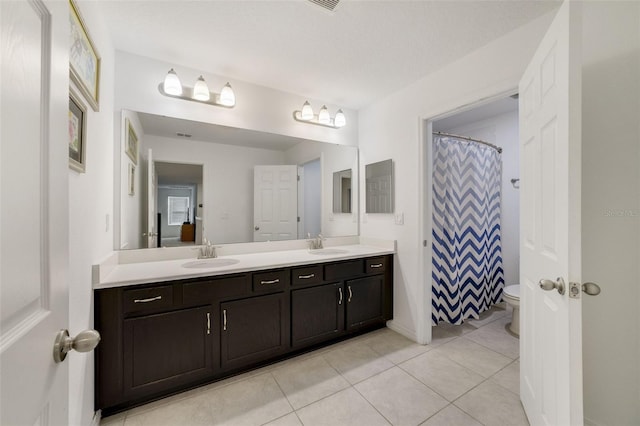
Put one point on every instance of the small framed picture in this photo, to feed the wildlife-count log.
(132, 179)
(131, 142)
(77, 132)
(84, 61)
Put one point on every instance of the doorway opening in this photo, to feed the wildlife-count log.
(494, 121)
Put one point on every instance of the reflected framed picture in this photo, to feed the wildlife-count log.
(131, 142)
(77, 132)
(84, 60)
(132, 179)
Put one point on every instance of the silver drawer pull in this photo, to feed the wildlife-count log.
(306, 277)
(377, 265)
(151, 299)
(276, 281)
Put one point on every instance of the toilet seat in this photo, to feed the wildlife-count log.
(512, 291)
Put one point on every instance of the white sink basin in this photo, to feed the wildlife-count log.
(210, 263)
(328, 251)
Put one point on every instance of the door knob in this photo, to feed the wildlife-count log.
(256, 228)
(592, 289)
(85, 341)
(549, 285)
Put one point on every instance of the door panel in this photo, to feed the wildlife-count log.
(550, 338)
(275, 203)
(317, 314)
(364, 298)
(34, 116)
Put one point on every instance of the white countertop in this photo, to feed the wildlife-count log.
(125, 274)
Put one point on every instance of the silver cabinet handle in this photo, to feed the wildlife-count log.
(350, 294)
(151, 299)
(224, 320)
(276, 281)
(208, 323)
(377, 265)
(306, 277)
(340, 293)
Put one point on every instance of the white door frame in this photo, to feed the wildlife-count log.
(425, 188)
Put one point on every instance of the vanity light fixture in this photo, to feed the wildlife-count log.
(323, 118)
(172, 88)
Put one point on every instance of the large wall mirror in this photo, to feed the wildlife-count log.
(196, 180)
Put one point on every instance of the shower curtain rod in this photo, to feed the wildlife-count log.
(497, 148)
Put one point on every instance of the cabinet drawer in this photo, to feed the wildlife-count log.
(306, 275)
(375, 265)
(147, 299)
(214, 289)
(336, 271)
(265, 282)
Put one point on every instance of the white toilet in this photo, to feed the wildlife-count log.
(511, 295)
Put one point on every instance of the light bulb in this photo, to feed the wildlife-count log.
(227, 97)
(307, 111)
(172, 84)
(201, 90)
(323, 115)
(339, 120)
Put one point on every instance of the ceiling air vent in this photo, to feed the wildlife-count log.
(327, 4)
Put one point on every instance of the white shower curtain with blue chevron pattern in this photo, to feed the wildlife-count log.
(467, 252)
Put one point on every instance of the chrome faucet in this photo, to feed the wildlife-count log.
(207, 251)
(315, 243)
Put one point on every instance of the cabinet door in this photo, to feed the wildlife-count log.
(166, 350)
(364, 301)
(317, 314)
(253, 330)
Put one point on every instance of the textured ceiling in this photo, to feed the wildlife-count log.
(361, 51)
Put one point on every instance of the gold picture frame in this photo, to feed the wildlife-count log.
(84, 60)
(77, 132)
(131, 142)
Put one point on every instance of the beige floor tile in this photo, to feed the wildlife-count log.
(495, 337)
(346, 407)
(487, 317)
(193, 411)
(441, 335)
(290, 419)
(474, 356)
(451, 416)
(455, 330)
(395, 347)
(115, 420)
(400, 398)
(308, 380)
(509, 377)
(357, 362)
(440, 373)
(493, 405)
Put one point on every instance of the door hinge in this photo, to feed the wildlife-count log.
(298, 178)
(298, 218)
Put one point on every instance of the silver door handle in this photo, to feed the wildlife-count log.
(350, 294)
(224, 320)
(208, 323)
(85, 341)
(340, 293)
(256, 228)
(592, 289)
(549, 285)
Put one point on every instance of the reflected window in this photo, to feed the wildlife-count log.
(178, 210)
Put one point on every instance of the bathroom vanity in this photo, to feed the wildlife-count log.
(163, 332)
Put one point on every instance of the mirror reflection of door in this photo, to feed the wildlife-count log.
(179, 200)
(275, 203)
(342, 191)
(310, 194)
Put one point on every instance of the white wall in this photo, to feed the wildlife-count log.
(502, 130)
(611, 212)
(391, 128)
(90, 220)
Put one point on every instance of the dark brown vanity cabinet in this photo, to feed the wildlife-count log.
(161, 338)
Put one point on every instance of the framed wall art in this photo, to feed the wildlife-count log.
(84, 60)
(77, 132)
(131, 142)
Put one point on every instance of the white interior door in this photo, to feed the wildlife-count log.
(550, 339)
(34, 119)
(275, 203)
(152, 211)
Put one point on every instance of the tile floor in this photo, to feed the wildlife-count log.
(468, 375)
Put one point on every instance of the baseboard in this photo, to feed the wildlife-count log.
(406, 332)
